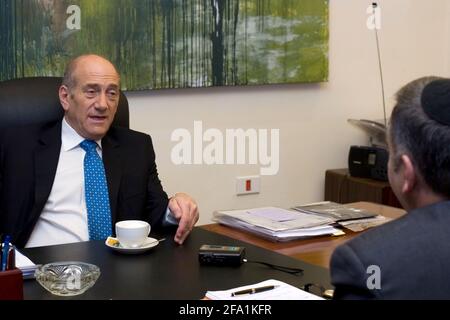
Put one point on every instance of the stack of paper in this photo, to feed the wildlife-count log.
(281, 291)
(275, 223)
(25, 265)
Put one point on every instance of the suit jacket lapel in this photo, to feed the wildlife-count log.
(46, 162)
(113, 170)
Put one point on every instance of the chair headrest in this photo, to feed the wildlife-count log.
(35, 101)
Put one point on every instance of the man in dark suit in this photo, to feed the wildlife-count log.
(44, 181)
(408, 258)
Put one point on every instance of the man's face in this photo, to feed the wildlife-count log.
(392, 175)
(91, 104)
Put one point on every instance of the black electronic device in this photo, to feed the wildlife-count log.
(221, 255)
(368, 162)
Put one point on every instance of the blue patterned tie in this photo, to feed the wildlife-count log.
(96, 193)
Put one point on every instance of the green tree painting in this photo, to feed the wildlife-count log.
(170, 43)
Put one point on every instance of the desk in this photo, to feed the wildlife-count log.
(315, 250)
(168, 271)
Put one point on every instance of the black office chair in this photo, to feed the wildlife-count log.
(35, 101)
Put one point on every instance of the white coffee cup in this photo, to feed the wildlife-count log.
(132, 233)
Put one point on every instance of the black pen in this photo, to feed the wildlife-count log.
(252, 290)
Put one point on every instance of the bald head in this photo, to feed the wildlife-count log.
(70, 73)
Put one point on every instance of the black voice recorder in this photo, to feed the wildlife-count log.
(221, 255)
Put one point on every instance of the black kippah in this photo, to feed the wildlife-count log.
(436, 100)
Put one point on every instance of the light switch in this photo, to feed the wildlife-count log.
(248, 185)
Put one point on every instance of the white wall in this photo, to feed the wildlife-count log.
(312, 118)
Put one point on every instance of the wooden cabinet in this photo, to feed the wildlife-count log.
(342, 188)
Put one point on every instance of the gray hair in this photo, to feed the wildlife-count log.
(425, 140)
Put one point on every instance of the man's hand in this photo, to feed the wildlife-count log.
(185, 210)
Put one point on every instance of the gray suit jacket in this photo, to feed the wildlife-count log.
(412, 253)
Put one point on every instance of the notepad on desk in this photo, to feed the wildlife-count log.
(276, 224)
(280, 291)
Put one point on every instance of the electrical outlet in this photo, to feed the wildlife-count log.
(248, 185)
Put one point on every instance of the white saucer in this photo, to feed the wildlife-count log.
(148, 244)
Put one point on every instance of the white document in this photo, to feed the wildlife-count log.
(274, 214)
(264, 222)
(282, 291)
(23, 261)
(25, 265)
(296, 220)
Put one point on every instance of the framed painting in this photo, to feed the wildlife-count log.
(170, 43)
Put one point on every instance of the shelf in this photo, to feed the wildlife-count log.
(340, 187)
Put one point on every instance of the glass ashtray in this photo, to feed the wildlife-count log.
(67, 278)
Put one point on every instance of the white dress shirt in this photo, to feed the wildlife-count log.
(64, 217)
